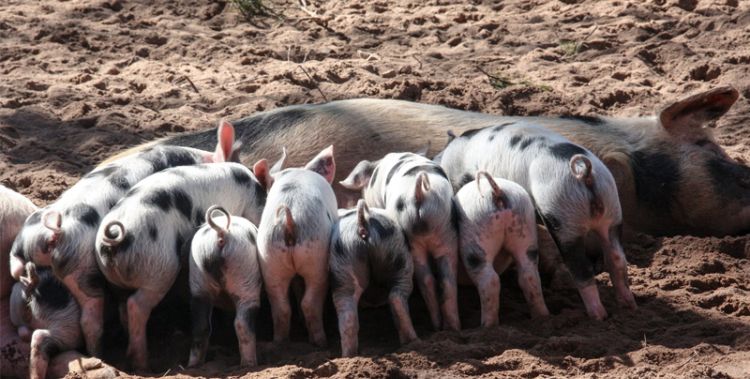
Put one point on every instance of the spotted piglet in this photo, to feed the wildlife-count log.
(497, 226)
(573, 191)
(62, 234)
(369, 252)
(224, 272)
(141, 242)
(416, 192)
(41, 306)
(293, 239)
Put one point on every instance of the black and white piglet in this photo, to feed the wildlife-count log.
(62, 234)
(293, 239)
(574, 192)
(141, 242)
(416, 192)
(224, 272)
(497, 226)
(41, 306)
(369, 250)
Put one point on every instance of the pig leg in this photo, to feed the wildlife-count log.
(617, 266)
(277, 281)
(483, 274)
(43, 346)
(200, 313)
(426, 283)
(574, 256)
(527, 265)
(346, 309)
(244, 326)
(398, 299)
(92, 314)
(446, 257)
(316, 287)
(140, 305)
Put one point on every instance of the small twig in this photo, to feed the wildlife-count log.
(688, 360)
(192, 84)
(303, 6)
(417, 59)
(369, 55)
(317, 85)
(166, 373)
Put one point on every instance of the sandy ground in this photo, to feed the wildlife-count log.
(81, 80)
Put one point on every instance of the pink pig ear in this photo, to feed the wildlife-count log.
(324, 164)
(225, 142)
(260, 169)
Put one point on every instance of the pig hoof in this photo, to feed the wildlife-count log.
(627, 302)
(248, 363)
(598, 314)
(318, 341)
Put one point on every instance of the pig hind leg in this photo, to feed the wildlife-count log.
(345, 298)
(575, 258)
(200, 317)
(446, 258)
(244, 326)
(139, 306)
(315, 275)
(277, 280)
(486, 280)
(527, 266)
(398, 299)
(426, 283)
(617, 266)
(92, 312)
(43, 347)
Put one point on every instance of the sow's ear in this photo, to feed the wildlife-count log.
(324, 164)
(698, 109)
(260, 169)
(360, 176)
(225, 142)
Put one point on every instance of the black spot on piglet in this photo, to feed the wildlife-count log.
(183, 202)
(566, 150)
(84, 213)
(159, 198)
(240, 176)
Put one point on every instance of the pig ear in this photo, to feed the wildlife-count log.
(698, 109)
(360, 176)
(324, 164)
(423, 151)
(225, 142)
(281, 163)
(260, 169)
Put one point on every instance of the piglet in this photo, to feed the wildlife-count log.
(573, 191)
(141, 242)
(497, 226)
(416, 192)
(293, 239)
(224, 272)
(42, 307)
(369, 251)
(62, 234)
(14, 209)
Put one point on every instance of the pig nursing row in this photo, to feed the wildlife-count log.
(130, 222)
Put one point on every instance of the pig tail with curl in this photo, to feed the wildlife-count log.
(221, 231)
(110, 238)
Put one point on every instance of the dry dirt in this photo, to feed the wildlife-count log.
(81, 80)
